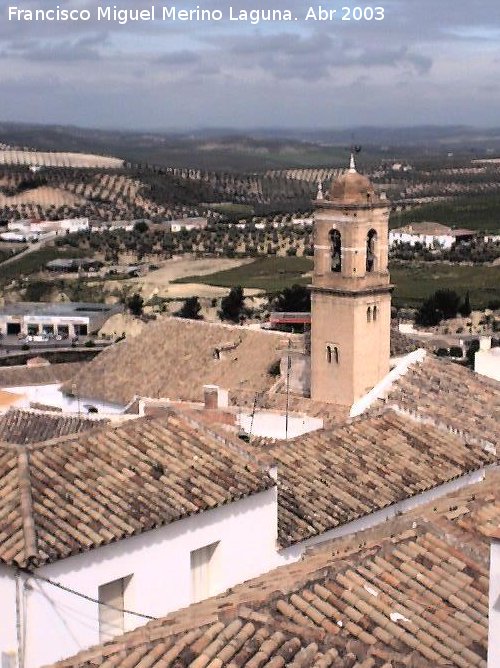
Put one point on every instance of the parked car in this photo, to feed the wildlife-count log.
(37, 338)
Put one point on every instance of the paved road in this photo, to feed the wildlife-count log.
(32, 247)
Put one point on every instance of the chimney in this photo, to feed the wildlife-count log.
(215, 397)
(211, 396)
(485, 343)
(494, 602)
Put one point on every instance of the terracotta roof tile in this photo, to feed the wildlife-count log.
(405, 594)
(117, 481)
(448, 394)
(15, 376)
(144, 365)
(22, 427)
(371, 462)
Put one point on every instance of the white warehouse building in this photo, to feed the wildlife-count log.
(66, 319)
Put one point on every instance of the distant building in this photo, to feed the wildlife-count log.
(112, 225)
(14, 237)
(65, 319)
(429, 235)
(33, 228)
(68, 265)
(188, 224)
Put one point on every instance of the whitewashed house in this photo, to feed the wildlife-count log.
(187, 504)
(429, 235)
(32, 228)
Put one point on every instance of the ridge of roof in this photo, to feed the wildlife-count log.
(26, 502)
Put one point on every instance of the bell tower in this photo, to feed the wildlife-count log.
(351, 291)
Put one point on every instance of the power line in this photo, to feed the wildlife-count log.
(86, 597)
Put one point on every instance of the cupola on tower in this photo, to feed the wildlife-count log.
(351, 291)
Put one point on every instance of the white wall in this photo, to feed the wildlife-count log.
(51, 395)
(487, 363)
(8, 636)
(273, 425)
(494, 607)
(60, 624)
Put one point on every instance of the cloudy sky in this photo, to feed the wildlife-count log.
(427, 62)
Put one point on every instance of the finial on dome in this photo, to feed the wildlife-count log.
(320, 190)
(352, 164)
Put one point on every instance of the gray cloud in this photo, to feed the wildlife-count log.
(428, 61)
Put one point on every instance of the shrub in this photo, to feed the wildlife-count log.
(190, 309)
(274, 369)
(135, 304)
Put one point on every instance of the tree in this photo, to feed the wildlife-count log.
(443, 304)
(190, 309)
(135, 304)
(448, 302)
(141, 227)
(465, 308)
(233, 306)
(294, 299)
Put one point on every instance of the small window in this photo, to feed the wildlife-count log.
(111, 606)
(336, 251)
(369, 314)
(371, 242)
(374, 313)
(202, 575)
(332, 354)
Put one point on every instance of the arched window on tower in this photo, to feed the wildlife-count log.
(369, 314)
(371, 243)
(374, 313)
(336, 251)
(332, 354)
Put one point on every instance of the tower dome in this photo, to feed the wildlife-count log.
(353, 188)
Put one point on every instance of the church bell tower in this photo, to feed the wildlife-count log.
(351, 291)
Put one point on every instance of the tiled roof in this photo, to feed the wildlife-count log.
(410, 594)
(14, 376)
(449, 394)
(424, 227)
(21, 427)
(402, 344)
(174, 358)
(76, 493)
(330, 477)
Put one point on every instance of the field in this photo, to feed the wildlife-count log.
(34, 262)
(414, 282)
(41, 159)
(269, 274)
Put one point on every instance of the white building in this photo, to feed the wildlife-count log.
(429, 235)
(66, 319)
(494, 602)
(188, 224)
(32, 228)
(188, 510)
(487, 359)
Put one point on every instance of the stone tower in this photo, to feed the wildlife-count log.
(351, 291)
